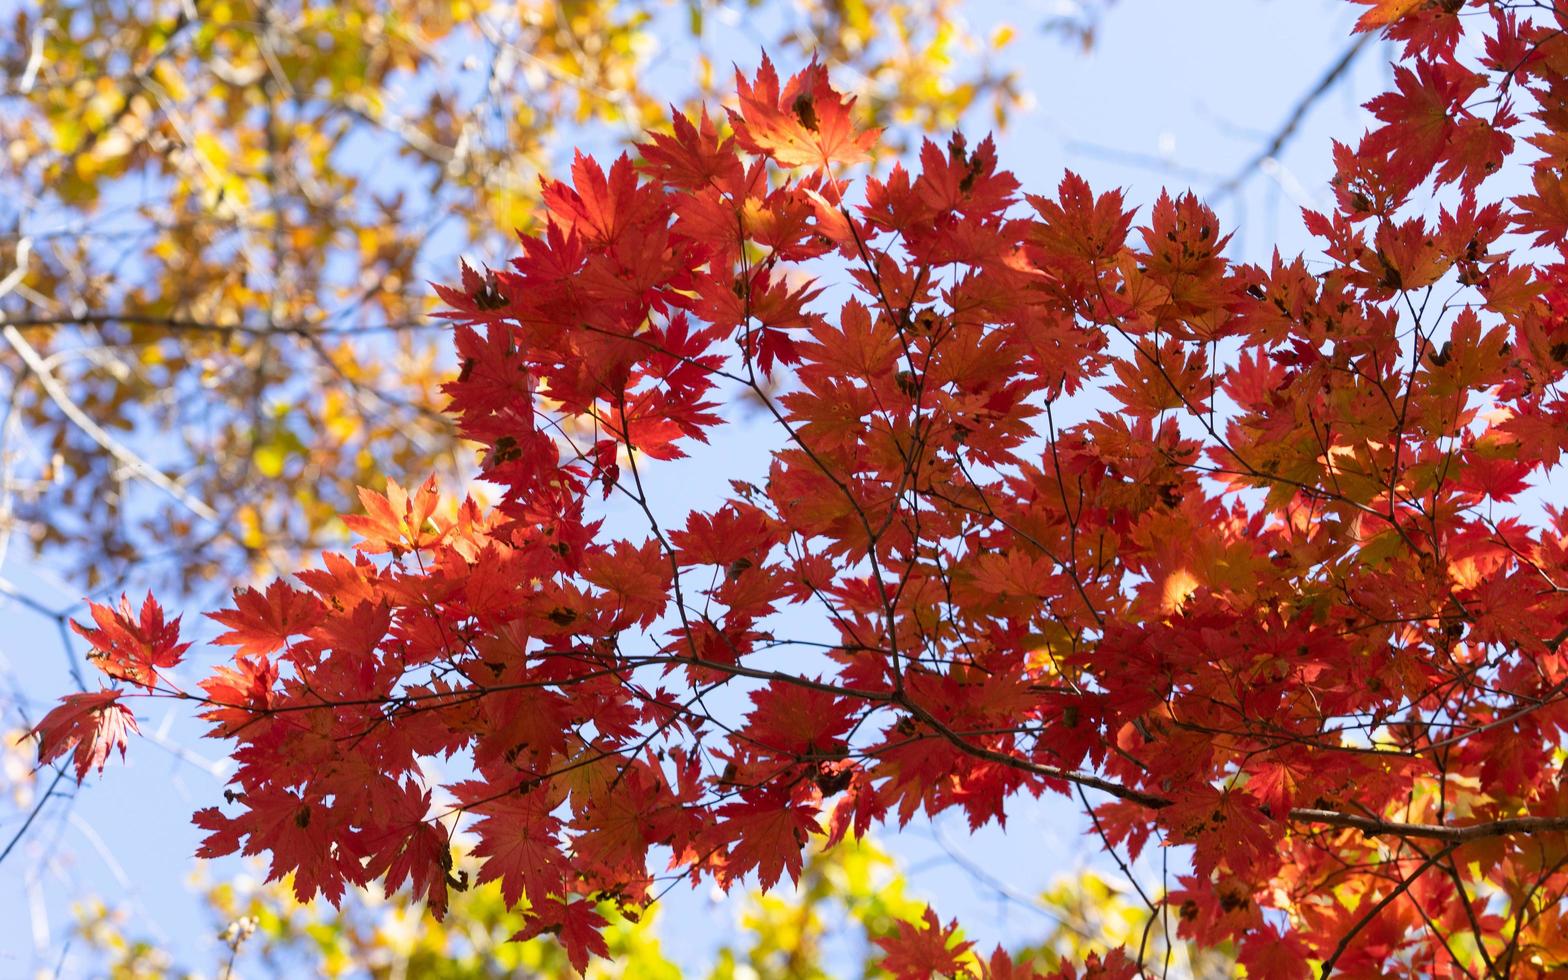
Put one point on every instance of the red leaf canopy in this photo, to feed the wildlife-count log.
(1287, 595)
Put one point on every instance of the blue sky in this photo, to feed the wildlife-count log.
(1174, 94)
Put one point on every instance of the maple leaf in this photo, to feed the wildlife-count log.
(358, 631)
(408, 847)
(581, 933)
(93, 723)
(691, 156)
(395, 521)
(737, 529)
(1476, 150)
(237, 694)
(921, 950)
(1278, 779)
(1215, 911)
(767, 833)
(808, 124)
(1114, 965)
(791, 721)
(262, 622)
(1078, 226)
(960, 180)
(1002, 966)
(577, 924)
(636, 578)
(482, 296)
(1419, 115)
(1269, 954)
(304, 834)
(1546, 211)
(517, 840)
(860, 346)
(132, 647)
(1385, 12)
(601, 207)
(1226, 827)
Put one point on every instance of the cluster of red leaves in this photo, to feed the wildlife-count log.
(1275, 601)
(126, 646)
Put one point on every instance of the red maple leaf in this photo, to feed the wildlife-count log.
(692, 156)
(808, 124)
(517, 839)
(768, 834)
(408, 847)
(305, 835)
(921, 950)
(1269, 954)
(261, 622)
(94, 723)
(236, 694)
(577, 924)
(1114, 965)
(133, 647)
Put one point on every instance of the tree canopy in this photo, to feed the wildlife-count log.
(1260, 561)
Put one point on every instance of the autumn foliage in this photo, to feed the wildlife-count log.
(1288, 592)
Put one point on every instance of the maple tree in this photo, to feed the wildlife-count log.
(1287, 596)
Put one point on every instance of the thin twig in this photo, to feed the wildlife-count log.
(57, 393)
(299, 329)
(1385, 902)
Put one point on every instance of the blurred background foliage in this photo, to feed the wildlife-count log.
(219, 218)
(848, 897)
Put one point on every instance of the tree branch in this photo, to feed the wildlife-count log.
(1298, 115)
(302, 329)
(57, 393)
